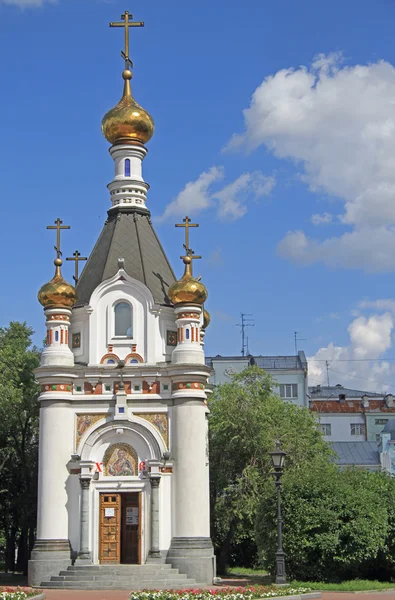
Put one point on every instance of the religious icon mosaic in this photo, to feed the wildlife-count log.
(171, 338)
(83, 423)
(159, 421)
(120, 460)
(76, 340)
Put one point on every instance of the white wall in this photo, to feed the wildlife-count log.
(341, 430)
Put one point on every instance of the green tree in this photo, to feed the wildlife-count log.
(337, 524)
(19, 413)
(246, 417)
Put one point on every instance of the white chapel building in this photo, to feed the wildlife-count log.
(123, 453)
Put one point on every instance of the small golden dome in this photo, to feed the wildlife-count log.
(127, 120)
(57, 292)
(206, 319)
(187, 289)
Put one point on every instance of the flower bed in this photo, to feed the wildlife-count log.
(11, 593)
(225, 593)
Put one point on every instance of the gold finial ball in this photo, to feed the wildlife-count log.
(206, 319)
(187, 291)
(127, 74)
(57, 292)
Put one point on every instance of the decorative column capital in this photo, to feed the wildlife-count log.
(85, 482)
(154, 481)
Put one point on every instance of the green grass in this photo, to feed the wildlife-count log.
(354, 585)
(260, 576)
(245, 571)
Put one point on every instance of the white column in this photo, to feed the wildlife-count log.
(191, 476)
(155, 550)
(84, 553)
(55, 448)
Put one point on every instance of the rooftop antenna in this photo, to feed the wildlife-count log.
(296, 333)
(327, 372)
(248, 350)
(247, 320)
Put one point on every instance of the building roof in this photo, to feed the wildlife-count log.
(317, 392)
(128, 235)
(389, 428)
(356, 453)
(265, 362)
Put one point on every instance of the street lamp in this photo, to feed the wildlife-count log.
(278, 460)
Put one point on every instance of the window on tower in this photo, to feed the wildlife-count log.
(127, 167)
(123, 320)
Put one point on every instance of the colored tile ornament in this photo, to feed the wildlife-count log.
(120, 460)
(83, 423)
(76, 340)
(159, 421)
(171, 338)
(188, 386)
(56, 387)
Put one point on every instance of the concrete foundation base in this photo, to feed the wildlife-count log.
(48, 558)
(193, 556)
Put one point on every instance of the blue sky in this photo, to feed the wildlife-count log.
(275, 129)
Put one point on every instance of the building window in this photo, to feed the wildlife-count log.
(127, 167)
(56, 336)
(378, 438)
(357, 428)
(380, 421)
(288, 390)
(326, 428)
(123, 320)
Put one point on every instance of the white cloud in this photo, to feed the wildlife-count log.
(337, 123)
(230, 201)
(370, 338)
(27, 3)
(323, 219)
(370, 248)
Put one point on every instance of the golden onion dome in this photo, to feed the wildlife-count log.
(206, 319)
(57, 292)
(127, 120)
(187, 289)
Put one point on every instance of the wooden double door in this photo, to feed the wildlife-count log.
(120, 528)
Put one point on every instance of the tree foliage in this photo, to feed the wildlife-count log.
(245, 420)
(337, 524)
(19, 412)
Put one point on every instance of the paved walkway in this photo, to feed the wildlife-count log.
(124, 595)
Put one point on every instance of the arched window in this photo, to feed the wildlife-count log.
(56, 336)
(187, 334)
(127, 167)
(123, 320)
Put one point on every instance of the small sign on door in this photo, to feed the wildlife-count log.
(132, 515)
(109, 512)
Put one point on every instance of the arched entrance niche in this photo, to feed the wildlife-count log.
(121, 497)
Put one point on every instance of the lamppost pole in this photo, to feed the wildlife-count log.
(278, 459)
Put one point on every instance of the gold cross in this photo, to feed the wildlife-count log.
(77, 258)
(58, 226)
(126, 24)
(187, 224)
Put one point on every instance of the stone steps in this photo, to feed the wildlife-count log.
(120, 577)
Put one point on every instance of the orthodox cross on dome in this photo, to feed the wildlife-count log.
(58, 226)
(187, 224)
(76, 258)
(126, 24)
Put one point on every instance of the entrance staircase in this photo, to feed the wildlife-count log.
(150, 576)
